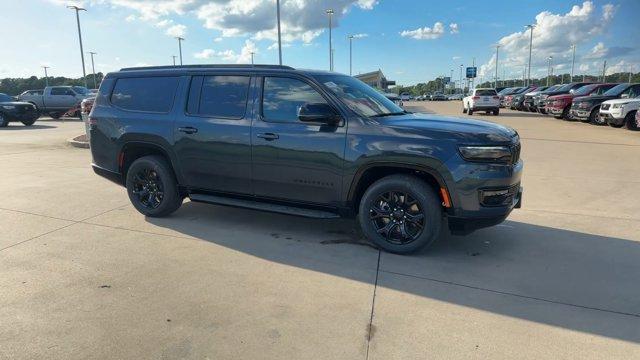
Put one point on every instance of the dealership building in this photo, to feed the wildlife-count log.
(375, 79)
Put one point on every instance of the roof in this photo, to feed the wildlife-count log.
(209, 66)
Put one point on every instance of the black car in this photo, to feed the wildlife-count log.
(540, 100)
(586, 108)
(301, 142)
(506, 92)
(12, 110)
(518, 101)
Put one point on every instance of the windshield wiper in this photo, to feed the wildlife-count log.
(389, 114)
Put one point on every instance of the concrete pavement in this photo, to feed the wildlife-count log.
(85, 276)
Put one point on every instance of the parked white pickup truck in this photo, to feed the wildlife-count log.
(620, 112)
(56, 100)
(486, 100)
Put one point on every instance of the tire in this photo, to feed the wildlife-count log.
(55, 115)
(593, 118)
(464, 110)
(29, 122)
(419, 202)
(469, 111)
(151, 175)
(4, 121)
(630, 121)
(496, 112)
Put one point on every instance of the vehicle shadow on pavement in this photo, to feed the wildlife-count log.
(562, 278)
(16, 127)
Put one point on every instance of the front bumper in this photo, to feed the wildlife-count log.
(465, 225)
(579, 114)
(20, 115)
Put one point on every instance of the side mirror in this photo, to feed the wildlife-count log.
(318, 112)
(624, 96)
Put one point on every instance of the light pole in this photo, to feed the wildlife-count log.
(530, 27)
(93, 69)
(350, 55)
(604, 71)
(451, 79)
(330, 13)
(573, 61)
(180, 39)
(77, 10)
(279, 37)
(174, 59)
(549, 69)
(252, 57)
(46, 76)
(495, 82)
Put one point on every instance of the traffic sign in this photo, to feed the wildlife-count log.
(472, 72)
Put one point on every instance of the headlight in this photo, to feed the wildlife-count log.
(618, 106)
(583, 105)
(8, 107)
(486, 153)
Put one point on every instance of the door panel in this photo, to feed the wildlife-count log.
(294, 160)
(212, 138)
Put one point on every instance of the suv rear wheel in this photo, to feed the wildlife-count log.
(400, 214)
(4, 121)
(630, 120)
(152, 187)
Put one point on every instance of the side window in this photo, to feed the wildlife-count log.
(635, 91)
(283, 97)
(219, 96)
(152, 94)
(58, 91)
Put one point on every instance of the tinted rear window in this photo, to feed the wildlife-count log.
(485, 92)
(152, 94)
(219, 96)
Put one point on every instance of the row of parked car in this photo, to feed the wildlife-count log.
(615, 104)
(55, 101)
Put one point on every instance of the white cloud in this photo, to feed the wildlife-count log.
(622, 66)
(360, 36)
(218, 39)
(176, 30)
(130, 18)
(553, 35)
(243, 57)
(301, 20)
(456, 58)
(425, 33)
(453, 28)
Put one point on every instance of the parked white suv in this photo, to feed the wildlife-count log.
(618, 112)
(486, 100)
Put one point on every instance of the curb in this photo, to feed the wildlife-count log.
(79, 142)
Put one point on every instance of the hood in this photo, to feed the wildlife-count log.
(598, 98)
(561, 96)
(461, 129)
(14, 103)
(622, 101)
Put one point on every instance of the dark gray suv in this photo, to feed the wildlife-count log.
(301, 142)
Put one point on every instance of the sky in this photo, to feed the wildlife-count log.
(410, 41)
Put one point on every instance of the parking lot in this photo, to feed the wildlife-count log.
(83, 275)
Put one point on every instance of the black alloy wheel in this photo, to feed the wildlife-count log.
(630, 120)
(148, 188)
(398, 217)
(152, 186)
(401, 214)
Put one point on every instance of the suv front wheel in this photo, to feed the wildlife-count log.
(152, 187)
(400, 214)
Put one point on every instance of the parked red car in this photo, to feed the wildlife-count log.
(559, 105)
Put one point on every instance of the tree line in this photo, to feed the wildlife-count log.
(16, 86)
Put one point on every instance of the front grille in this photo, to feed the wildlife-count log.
(605, 106)
(515, 153)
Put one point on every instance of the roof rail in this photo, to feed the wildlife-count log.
(209, 66)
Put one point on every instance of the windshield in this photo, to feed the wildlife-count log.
(585, 90)
(5, 98)
(553, 88)
(358, 96)
(616, 90)
(80, 90)
(504, 91)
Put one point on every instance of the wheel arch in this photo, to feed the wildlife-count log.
(370, 173)
(135, 149)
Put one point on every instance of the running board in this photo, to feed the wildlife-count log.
(255, 205)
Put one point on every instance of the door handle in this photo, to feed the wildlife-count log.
(268, 136)
(188, 130)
